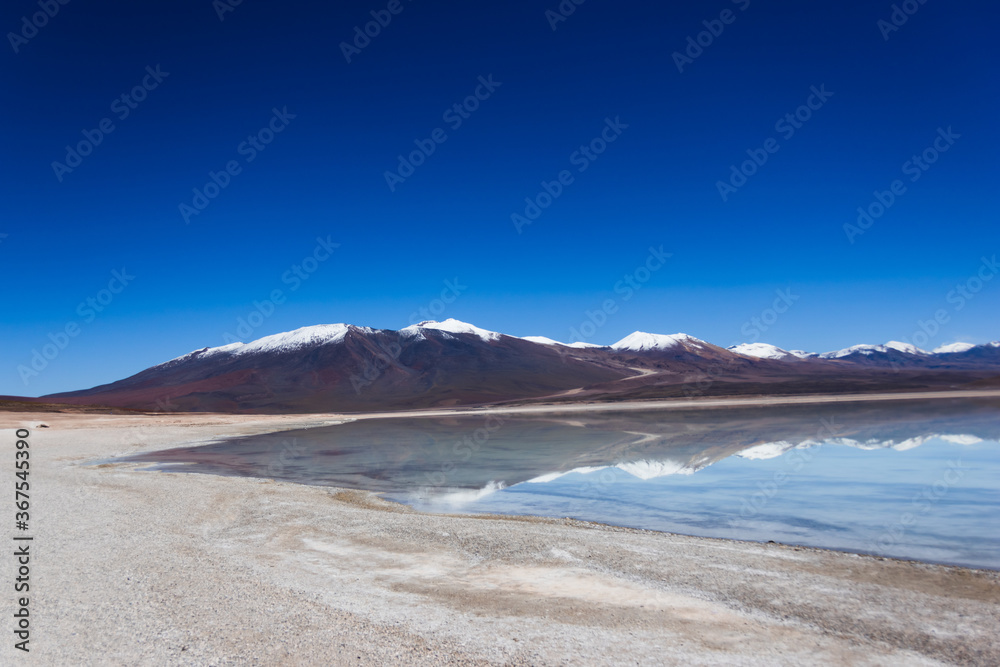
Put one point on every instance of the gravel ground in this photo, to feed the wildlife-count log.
(142, 568)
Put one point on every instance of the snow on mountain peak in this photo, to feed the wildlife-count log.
(542, 340)
(291, 340)
(763, 351)
(953, 347)
(874, 349)
(282, 342)
(863, 349)
(905, 347)
(640, 341)
(637, 341)
(451, 325)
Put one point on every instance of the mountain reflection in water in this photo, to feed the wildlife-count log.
(911, 479)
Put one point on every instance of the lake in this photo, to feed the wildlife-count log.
(907, 479)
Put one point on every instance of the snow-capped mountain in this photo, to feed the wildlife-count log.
(344, 367)
(953, 347)
(640, 341)
(450, 325)
(765, 351)
(289, 341)
(338, 367)
(871, 350)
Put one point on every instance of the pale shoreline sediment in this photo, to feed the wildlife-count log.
(163, 568)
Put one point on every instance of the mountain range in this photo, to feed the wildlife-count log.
(340, 367)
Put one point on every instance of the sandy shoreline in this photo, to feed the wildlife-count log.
(162, 568)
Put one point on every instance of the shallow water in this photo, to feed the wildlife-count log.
(904, 479)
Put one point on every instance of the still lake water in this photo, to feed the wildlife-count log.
(907, 479)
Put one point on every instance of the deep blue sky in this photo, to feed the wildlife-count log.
(656, 185)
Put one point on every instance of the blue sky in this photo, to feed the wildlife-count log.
(213, 87)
